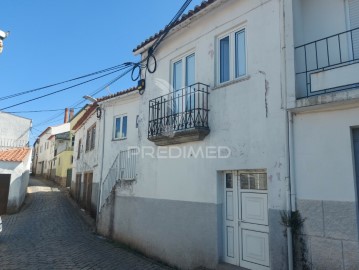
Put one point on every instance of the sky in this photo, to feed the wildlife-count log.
(54, 41)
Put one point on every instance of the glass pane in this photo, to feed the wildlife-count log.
(240, 54)
(177, 75)
(124, 127)
(224, 60)
(190, 70)
(261, 181)
(244, 181)
(229, 180)
(190, 80)
(252, 181)
(118, 128)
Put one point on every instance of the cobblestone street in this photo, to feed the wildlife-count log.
(50, 233)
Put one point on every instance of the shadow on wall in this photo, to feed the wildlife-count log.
(17, 192)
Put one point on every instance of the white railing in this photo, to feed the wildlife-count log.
(5, 143)
(123, 168)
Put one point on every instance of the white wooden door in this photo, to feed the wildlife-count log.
(246, 241)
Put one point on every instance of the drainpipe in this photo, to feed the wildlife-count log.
(291, 204)
(99, 203)
(287, 41)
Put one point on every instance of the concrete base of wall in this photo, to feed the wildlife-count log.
(182, 234)
(330, 234)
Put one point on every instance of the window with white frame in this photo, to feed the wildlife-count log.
(232, 60)
(120, 127)
(183, 77)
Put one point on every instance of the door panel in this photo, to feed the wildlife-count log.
(229, 204)
(246, 228)
(254, 208)
(4, 192)
(255, 248)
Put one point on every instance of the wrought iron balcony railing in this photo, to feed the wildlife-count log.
(324, 54)
(177, 113)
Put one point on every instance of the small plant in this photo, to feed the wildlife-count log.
(294, 221)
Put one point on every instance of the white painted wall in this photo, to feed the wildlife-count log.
(123, 105)
(323, 154)
(88, 160)
(19, 180)
(14, 130)
(244, 116)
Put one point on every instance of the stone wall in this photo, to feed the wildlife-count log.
(330, 234)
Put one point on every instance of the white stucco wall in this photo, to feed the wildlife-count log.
(323, 154)
(122, 105)
(245, 116)
(88, 160)
(14, 130)
(19, 181)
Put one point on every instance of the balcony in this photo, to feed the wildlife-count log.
(179, 116)
(327, 65)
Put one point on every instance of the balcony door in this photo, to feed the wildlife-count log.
(183, 79)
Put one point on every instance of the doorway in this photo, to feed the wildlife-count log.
(245, 230)
(4, 192)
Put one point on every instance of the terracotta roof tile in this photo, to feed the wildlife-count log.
(184, 17)
(14, 155)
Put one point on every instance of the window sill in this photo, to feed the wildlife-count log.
(121, 139)
(241, 79)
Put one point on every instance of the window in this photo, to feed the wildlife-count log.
(232, 56)
(90, 138)
(120, 127)
(183, 77)
(79, 150)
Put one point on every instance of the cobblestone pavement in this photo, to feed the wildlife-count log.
(50, 233)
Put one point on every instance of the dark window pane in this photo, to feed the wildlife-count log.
(224, 60)
(229, 180)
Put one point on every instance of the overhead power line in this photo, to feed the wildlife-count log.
(58, 91)
(118, 67)
(44, 110)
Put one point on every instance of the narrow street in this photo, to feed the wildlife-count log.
(50, 233)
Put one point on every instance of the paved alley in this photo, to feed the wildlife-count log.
(49, 233)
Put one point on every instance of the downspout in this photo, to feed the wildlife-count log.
(103, 114)
(288, 83)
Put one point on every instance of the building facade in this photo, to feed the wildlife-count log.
(323, 105)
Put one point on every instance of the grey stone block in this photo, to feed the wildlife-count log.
(312, 211)
(326, 254)
(351, 255)
(302, 252)
(340, 220)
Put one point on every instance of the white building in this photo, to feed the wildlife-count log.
(45, 147)
(14, 131)
(101, 137)
(15, 160)
(323, 99)
(212, 179)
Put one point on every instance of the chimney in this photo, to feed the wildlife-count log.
(71, 114)
(66, 116)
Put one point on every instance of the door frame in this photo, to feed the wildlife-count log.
(237, 223)
(5, 178)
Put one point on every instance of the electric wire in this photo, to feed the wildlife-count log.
(118, 67)
(40, 111)
(58, 91)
